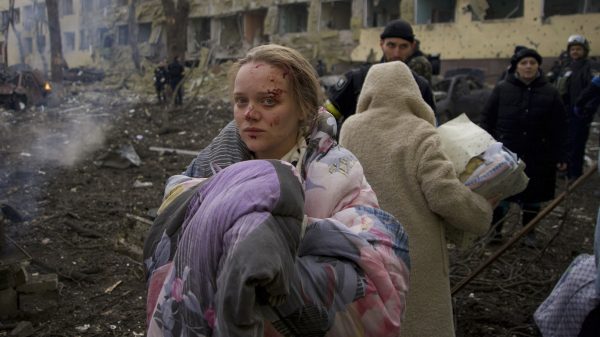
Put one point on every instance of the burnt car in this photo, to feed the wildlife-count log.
(461, 91)
(22, 88)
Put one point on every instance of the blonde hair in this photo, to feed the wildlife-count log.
(304, 84)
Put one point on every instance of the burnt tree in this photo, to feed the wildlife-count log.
(56, 55)
(176, 21)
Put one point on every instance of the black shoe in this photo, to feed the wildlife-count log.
(530, 241)
(496, 239)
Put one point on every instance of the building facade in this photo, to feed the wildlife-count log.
(478, 33)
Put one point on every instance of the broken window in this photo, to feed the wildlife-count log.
(293, 18)
(336, 14)
(379, 12)
(87, 5)
(491, 10)
(28, 46)
(102, 4)
(84, 40)
(123, 35)
(434, 11)
(40, 11)
(144, 31)
(69, 41)
(200, 32)
(229, 33)
(105, 38)
(40, 42)
(28, 18)
(66, 7)
(566, 7)
(254, 22)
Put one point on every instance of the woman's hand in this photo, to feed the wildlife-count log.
(561, 166)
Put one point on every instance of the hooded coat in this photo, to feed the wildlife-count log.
(394, 137)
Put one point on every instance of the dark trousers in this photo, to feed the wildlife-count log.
(529, 210)
(579, 130)
(177, 92)
(160, 93)
(591, 325)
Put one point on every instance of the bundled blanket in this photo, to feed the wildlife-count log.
(235, 254)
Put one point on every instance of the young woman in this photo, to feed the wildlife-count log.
(291, 243)
(526, 114)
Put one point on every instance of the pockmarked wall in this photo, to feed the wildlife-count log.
(492, 39)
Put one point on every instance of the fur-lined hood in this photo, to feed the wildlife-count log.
(390, 89)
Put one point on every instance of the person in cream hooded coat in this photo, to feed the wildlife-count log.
(393, 135)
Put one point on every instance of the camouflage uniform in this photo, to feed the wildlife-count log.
(420, 65)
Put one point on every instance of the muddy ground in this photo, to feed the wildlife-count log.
(80, 209)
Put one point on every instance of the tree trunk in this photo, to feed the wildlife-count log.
(56, 56)
(11, 23)
(176, 15)
(133, 34)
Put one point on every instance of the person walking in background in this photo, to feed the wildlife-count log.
(393, 134)
(397, 42)
(573, 80)
(176, 70)
(160, 80)
(526, 114)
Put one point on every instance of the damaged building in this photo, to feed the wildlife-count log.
(339, 33)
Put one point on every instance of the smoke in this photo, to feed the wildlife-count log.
(68, 145)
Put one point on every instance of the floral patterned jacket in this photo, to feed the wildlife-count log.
(260, 249)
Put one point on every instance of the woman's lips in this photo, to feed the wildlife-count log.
(253, 131)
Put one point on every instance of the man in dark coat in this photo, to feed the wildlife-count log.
(526, 114)
(398, 44)
(160, 80)
(175, 76)
(572, 82)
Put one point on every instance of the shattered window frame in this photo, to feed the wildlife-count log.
(486, 10)
(570, 7)
(87, 6)
(84, 40)
(28, 46)
(69, 41)
(379, 13)
(428, 11)
(339, 12)
(293, 18)
(40, 11)
(122, 35)
(200, 32)
(28, 17)
(144, 32)
(40, 43)
(66, 7)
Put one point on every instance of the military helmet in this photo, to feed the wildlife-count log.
(580, 40)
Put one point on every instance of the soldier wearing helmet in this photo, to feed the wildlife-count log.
(574, 79)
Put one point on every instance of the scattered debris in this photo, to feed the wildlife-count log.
(163, 150)
(123, 158)
(111, 288)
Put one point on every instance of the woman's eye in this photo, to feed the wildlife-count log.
(240, 101)
(268, 101)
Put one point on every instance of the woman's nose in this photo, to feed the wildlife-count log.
(250, 113)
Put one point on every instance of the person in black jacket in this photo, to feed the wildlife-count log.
(397, 44)
(175, 76)
(574, 79)
(160, 80)
(526, 114)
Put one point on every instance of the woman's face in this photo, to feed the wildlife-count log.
(264, 110)
(527, 68)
